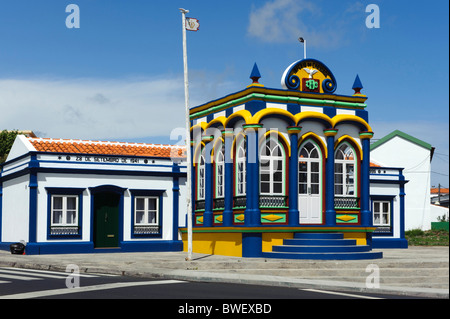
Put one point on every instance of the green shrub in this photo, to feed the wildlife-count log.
(418, 237)
(415, 232)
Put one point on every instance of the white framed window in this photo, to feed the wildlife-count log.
(309, 169)
(345, 171)
(220, 177)
(272, 168)
(64, 210)
(201, 171)
(146, 210)
(241, 169)
(147, 213)
(381, 213)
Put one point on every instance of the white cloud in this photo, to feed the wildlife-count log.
(278, 21)
(92, 108)
(284, 21)
(102, 109)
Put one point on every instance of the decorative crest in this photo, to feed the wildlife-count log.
(309, 75)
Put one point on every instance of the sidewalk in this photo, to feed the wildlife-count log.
(416, 271)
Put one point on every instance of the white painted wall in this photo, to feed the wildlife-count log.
(15, 210)
(389, 190)
(415, 159)
(86, 181)
(437, 211)
(19, 147)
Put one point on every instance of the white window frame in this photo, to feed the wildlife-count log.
(146, 211)
(220, 177)
(272, 159)
(381, 212)
(241, 174)
(201, 172)
(346, 164)
(308, 184)
(64, 211)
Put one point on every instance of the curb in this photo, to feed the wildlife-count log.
(279, 281)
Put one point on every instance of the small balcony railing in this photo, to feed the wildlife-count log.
(272, 201)
(219, 203)
(200, 205)
(346, 202)
(239, 201)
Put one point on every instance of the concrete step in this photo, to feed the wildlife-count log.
(434, 278)
(319, 235)
(321, 249)
(322, 246)
(319, 242)
(347, 272)
(283, 264)
(325, 256)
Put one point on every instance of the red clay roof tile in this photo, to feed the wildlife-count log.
(106, 148)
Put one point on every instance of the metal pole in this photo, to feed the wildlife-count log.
(188, 137)
(304, 46)
(304, 50)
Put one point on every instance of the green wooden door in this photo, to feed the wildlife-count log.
(106, 220)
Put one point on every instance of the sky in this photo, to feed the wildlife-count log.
(119, 76)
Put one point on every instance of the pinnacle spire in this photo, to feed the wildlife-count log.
(357, 85)
(255, 76)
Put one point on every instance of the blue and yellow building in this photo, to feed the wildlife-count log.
(275, 169)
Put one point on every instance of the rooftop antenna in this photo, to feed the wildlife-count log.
(304, 47)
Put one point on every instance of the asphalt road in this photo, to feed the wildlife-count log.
(18, 283)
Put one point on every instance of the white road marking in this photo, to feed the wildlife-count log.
(56, 273)
(18, 277)
(54, 292)
(340, 294)
(20, 272)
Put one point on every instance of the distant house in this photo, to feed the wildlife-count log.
(439, 196)
(27, 133)
(387, 202)
(400, 150)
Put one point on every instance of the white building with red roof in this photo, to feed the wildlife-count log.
(75, 196)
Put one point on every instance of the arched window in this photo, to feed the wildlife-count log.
(345, 171)
(219, 173)
(309, 169)
(310, 182)
(240, 168)
(201, 178)
(272, 168)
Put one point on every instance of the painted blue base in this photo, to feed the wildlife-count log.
(88, 247)
(252, 245)
(389, 243)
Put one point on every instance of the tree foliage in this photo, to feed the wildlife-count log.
(6, 141)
